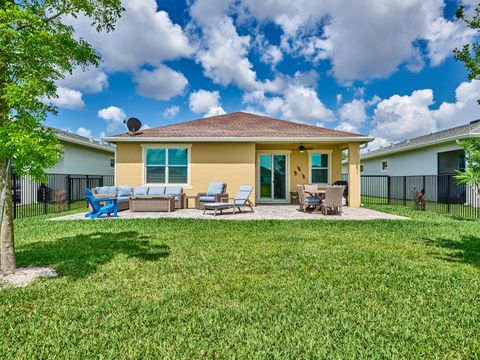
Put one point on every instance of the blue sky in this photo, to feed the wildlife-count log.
(383, 68)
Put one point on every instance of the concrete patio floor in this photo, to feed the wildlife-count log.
(262, 212)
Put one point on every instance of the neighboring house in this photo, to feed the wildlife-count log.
(81, 156)
(434, 154)
(239, 149)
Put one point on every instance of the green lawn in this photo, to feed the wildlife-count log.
(272, 289)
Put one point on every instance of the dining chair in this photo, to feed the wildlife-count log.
(306, 201)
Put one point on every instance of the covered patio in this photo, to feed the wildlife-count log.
(262, 212)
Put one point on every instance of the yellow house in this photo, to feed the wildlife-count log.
(239, 149)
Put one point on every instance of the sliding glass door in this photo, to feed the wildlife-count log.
(272, 175)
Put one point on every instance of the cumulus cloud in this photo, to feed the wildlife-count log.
(92, 80)
(113, 116)
(208, 102)
(272, 55)
(84, 132)
(401, 117)
(171, 111)
(162, 83)
(369, 46)
(223, 55)
(67, 99)
(143, 35)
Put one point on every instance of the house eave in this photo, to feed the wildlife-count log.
(360, 139)
(87, 144)
(418, 146)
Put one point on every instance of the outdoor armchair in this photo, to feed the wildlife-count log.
(96, 205)
(215, 193)
(305, 200)
(333, 199)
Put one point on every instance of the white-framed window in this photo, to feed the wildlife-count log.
(320, 168)
(384, 166)
(167, 164)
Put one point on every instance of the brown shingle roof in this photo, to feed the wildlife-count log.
(239, 125)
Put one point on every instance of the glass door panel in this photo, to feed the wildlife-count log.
(265, 163)
(279, 177)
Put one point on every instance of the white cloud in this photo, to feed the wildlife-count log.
(402, 117)
(84, 132)
(67, 99)
(272, 55)
(408, 116)
(352, 115)
(171, 111)
(113, 116)
(143, 35)
(463, 110)
(208, 102)
(302, 104)
(162, 83)
(92, 80)
(372, 45)
(224, 55)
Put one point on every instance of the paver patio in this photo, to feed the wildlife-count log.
(262, 212)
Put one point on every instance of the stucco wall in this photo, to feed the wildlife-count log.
(83, 160)
(233, 163)
(415, 162)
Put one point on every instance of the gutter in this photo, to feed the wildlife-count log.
(363, 139)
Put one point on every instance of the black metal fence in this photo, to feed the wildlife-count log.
(442, 193)
(60, 193)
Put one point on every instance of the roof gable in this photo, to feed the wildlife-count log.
(238, 125)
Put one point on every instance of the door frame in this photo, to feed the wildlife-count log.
(287, 175)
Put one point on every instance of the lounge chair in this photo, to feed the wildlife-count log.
(241, 199)
(215, 193)
(333, 199)
(98, 210)
(305, 200)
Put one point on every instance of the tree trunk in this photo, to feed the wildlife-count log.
(7, 247)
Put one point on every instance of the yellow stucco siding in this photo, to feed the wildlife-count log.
(300, 162)
(233, 163)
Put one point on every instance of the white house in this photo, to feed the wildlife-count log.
(85, 162)
(428, 162)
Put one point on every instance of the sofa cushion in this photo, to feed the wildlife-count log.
(207, 198)
(101, 190)
(173, 190)
(215, 188)
(106, 190)
(124, 191)
(156, 190)
(140, 190)
(123, 199)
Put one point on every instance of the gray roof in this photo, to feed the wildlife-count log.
(471, 129)
(82, 140)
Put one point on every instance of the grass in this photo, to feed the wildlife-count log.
(182, 288)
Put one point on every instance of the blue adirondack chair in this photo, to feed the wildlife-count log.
(97, 210)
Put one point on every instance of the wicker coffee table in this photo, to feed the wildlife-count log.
(152, 203)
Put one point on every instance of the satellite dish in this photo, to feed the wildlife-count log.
(133, 125)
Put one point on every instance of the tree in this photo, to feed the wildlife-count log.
(471, 175)
(469, 54)
(37, 48)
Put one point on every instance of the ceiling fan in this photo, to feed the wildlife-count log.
(302, 148)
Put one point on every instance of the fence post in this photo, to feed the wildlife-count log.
(388, 189)
(68, 195)
(45, 199)
(404, 191)
(101, 180)
(88, 182)
(448, 194)
(14, 190)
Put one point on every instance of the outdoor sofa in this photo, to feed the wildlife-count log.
(216, 192)
(123, 193)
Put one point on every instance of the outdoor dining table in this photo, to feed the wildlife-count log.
(320, 193)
